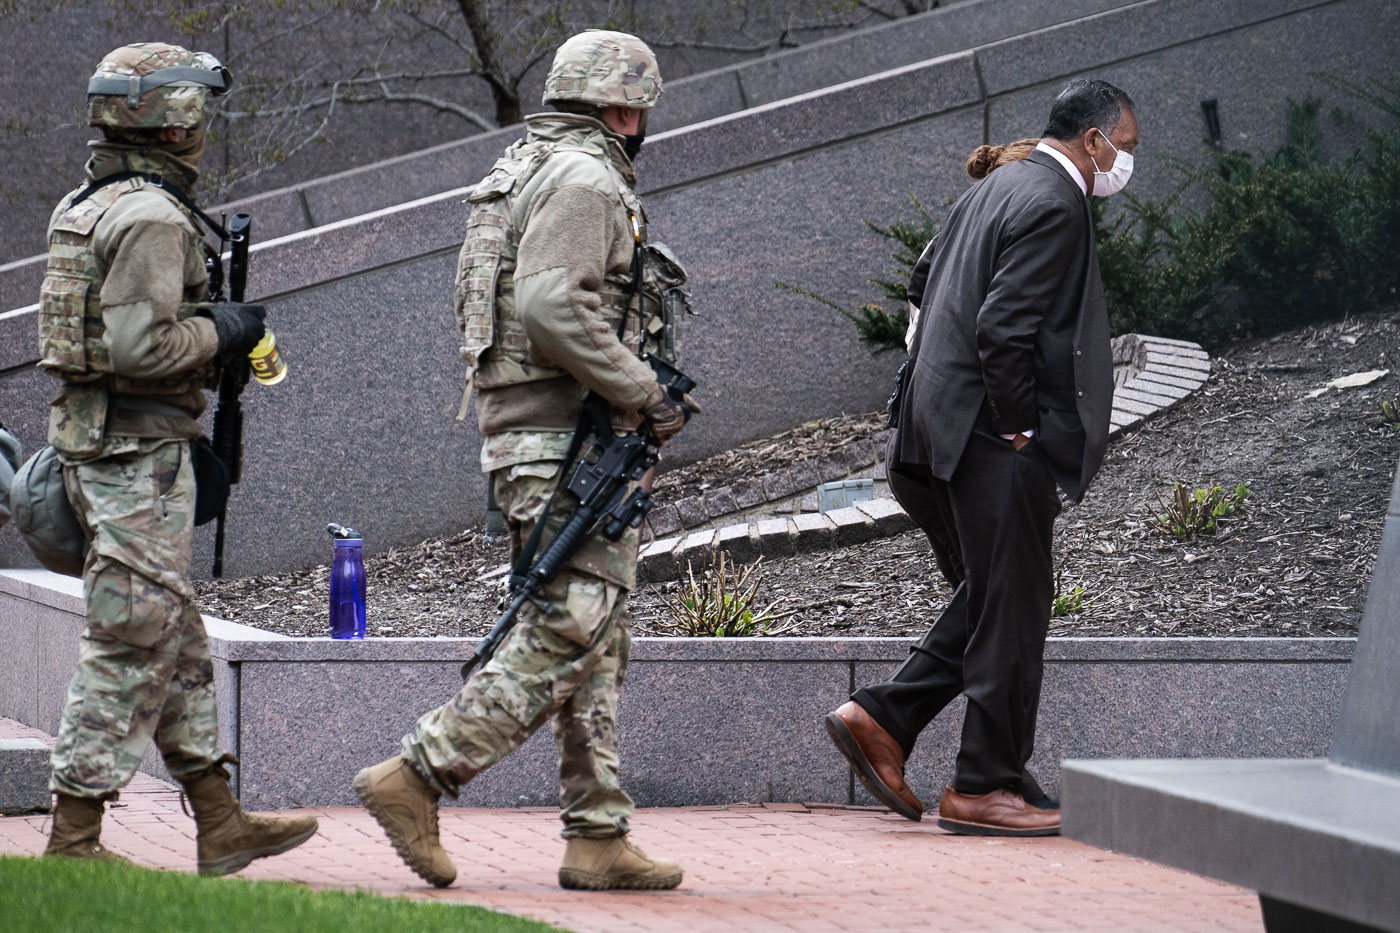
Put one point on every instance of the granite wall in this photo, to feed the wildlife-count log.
(376, 183)
(41, 139)
(362, 431)
(703, 721)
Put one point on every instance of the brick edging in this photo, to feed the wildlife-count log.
(804, 475)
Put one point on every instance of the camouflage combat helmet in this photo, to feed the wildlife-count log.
(609, 69)
(151, 85)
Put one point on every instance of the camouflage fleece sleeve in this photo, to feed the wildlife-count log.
(562, 261)
(147, 272)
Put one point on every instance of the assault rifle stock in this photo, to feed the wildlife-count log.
(604, 503)
(228, 417)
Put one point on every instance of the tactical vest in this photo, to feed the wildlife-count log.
(495, 348)
(71, 327)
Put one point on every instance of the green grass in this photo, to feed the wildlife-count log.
(70, 896)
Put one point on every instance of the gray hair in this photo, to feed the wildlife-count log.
(1082, 106)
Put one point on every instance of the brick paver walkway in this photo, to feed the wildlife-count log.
(781, 867)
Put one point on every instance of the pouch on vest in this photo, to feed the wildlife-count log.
(78, 418)
(45, 517)
(666, 300)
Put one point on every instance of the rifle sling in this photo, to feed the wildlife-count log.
(150, 178)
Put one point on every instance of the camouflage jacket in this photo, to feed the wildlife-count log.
(572, 263)
(118, 324)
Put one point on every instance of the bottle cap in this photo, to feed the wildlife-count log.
(342, 532)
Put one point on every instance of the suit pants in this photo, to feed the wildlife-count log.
(990, 525)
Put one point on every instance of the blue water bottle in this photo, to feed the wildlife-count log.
(347, 583)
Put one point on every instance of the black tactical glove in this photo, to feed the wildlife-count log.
(666, 417)
(239, 327)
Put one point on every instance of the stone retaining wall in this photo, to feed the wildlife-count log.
(703, 721)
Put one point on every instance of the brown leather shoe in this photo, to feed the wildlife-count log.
(1000, 813)
(875, 757)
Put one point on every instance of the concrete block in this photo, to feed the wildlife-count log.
(1157, 377)
(740, 541)
(692, 511)
(24, 776)
(1305, 832)
(775, 538)
(852, 525)
(748, 493)
(694, 549)
(1157, 358)
(833, 466)
(777, 485)
(1174, 347)
(1144, 383)
(1158, 402)
(664, 520)
(814, 531)
(720, 502)
(656, 563)
(804, 475)
(1122, 420)
(1132, 406)
(860, 454)
(888, 517)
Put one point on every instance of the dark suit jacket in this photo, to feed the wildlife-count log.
(1012, 329)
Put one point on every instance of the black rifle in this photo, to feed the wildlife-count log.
(228, 417)
(601, 488)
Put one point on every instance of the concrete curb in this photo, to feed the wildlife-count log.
(24, 776)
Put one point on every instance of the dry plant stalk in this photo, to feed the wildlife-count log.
(720, 602)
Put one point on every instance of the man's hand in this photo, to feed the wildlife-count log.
(239, 327)
(667, 416)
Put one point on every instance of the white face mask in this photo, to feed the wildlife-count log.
(1113, 180)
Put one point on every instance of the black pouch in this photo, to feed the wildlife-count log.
(211, 481)
(901, 380)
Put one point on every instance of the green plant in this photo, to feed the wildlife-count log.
(1066, 603)
(1190, 512)
(722, 602)
(881, 325)
(1390, 411)
(1285, 239)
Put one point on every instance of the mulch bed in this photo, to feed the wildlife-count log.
(1295, 561)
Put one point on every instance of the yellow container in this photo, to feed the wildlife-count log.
(268, 365)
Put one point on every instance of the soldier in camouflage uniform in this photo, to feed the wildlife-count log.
(545, 300)
(126, 329)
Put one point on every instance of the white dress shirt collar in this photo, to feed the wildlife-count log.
(1064, 160)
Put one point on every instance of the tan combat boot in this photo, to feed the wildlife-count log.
(77, 824)
(407, 807)
(607, 864)
(226, 838)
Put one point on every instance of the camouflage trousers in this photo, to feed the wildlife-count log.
(567, 663)
(144, 670)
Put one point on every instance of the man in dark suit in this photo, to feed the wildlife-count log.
(1006, 396)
